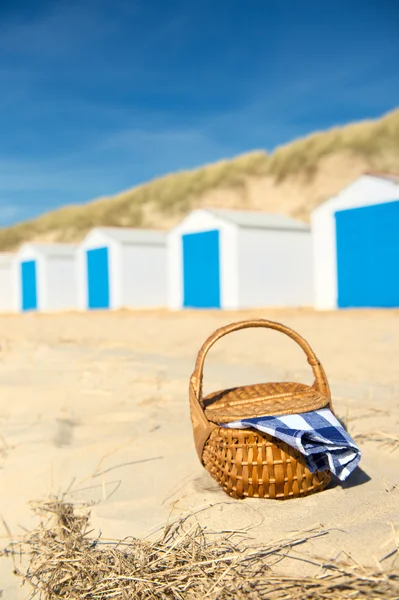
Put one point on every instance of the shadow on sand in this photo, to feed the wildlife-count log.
(358, 477)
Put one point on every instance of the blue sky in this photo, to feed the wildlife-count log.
(99, 95)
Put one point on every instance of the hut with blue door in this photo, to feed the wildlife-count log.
(122, 268)
(45, 277)
(356, 245)
(7, 283)
(230, 259)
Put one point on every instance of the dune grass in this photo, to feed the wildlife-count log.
(176, 194)
(377, 141)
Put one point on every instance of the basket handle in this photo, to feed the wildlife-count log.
(202, 427)
(320, 383)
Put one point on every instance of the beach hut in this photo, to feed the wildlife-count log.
(233, 259)
(45, 277)
(7, 287)
(356, 245)
(121, 267)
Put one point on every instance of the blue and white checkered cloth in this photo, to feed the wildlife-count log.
(318, 435)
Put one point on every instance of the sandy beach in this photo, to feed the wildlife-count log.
(96, 406)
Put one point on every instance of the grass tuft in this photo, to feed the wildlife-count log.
(60, 559)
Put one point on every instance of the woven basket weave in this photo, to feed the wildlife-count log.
(247, 463)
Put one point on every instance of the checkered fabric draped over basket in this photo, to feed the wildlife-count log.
(318, 435)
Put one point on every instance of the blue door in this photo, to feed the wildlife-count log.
(368, 256)
(98, 278)
(201, 270)
(28, 285)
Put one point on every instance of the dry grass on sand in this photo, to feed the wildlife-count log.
(59, 559)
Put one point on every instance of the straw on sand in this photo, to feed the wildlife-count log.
(59, 559)
(385, 439)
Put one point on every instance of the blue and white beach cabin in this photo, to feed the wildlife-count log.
(7, 287)
(234, 259)
(356, 245)
(45, 277)
(122, 268)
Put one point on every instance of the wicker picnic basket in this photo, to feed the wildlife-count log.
(245, 462)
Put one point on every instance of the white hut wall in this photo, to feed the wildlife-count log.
(60, 283)
(275, 268)
(7, 300)
(143, 275)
